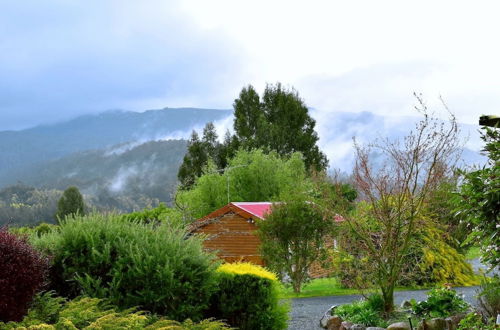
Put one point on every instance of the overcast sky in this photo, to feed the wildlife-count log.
(61, 58)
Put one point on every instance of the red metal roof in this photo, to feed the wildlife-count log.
(258, 209)
(247, 210)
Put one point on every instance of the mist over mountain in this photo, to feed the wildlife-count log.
(21, 151)
(126, 161)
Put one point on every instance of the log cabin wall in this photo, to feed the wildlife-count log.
(232, 237)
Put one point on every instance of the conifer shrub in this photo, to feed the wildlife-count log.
(92, 313)
(247, 297)
(22, 273)
(153, 267)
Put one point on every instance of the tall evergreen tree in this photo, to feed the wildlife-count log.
(194, 160)
(71, 202)
(279, 121)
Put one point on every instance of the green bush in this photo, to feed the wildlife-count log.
(441, 302)
(475, 321)
(149, 266)
(247, 298)
(366, 312)
(489, 296)
(161, 213)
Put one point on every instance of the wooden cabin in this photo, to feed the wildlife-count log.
(231, 233)
(231, 230)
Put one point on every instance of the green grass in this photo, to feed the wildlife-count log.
(317, 288)
(473, 253)
(329, 287)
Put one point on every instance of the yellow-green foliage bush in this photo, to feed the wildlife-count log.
(95, 314)
(443, 264)
(247, 298)
(242, 268)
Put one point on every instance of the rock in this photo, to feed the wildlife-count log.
(375, 328)
(334, 323)
(358, 327)
(399, 326)
(453, 321)
(346, 325)
(434, 324)
(406, 304)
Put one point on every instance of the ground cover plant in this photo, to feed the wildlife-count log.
(22, 273)
(131, 264)
(440, 302)
(247, 297)
(51, 312)
(366, 311)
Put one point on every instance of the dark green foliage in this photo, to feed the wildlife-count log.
(248, 302)
(480, 193)
(278, 121)
(149, 266)
(489, 297)
(45, 308)
(366, 312)
(70, 203)
(294, 236)
(441, 302)
(200, 151)
(22, 274)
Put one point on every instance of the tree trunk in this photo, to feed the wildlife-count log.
(388, 296)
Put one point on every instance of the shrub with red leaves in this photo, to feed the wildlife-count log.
(22, 274)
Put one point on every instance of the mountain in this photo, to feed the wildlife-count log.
(22, 151)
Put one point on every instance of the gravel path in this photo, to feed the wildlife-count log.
(306, 312)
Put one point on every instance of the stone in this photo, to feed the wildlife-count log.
(434, 324)
(346, 325)
(406, 304)
(399, 326)
(334, 323)
(453, 321)
(358, 327)
(375, 328)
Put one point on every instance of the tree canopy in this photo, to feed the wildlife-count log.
(480, 194)
(250, 176)
(70, 203)
(279, 122)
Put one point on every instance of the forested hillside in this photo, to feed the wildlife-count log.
(122, 179)
(23, 151)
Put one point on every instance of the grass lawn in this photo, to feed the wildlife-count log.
(328, 287)
(317, 288)
(473, 253)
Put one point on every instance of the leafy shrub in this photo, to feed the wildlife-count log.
(474, 321)
(161, 213)
(489, 296)
(441, 302)
(366, 312)
(208, 324)
(22, 274)
(149, 266)
(247, 298)
(45, 307)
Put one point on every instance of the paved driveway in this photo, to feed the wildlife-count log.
(306, 312)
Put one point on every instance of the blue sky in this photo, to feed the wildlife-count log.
(62, 58)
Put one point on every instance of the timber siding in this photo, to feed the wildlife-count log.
(231, 235)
